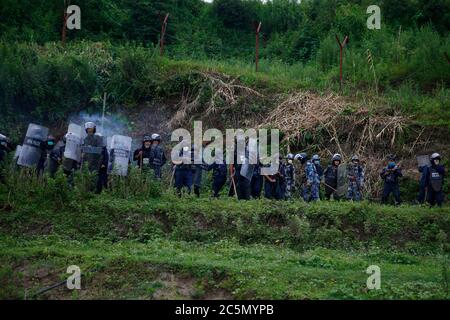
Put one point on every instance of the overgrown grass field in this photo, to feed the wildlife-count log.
(155, 245)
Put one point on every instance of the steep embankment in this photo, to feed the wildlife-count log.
(204, 249)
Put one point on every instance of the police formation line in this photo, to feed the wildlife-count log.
(341, 181)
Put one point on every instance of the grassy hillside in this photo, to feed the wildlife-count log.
(137, 239)
(152, 244)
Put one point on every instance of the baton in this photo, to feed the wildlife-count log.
(327, 185)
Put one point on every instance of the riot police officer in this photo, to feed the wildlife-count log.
(157, 156)
(435, 180)
(331, 177)
(143, 154)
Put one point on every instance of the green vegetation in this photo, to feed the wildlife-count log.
(134, 270)
(137, 239)
(115, 52)
(128, 243)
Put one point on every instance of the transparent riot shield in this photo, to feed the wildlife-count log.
(31, 148)
(120, 154)
(73, 142)
(423, 161)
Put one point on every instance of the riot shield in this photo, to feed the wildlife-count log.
(251, 159)
(342, 180)
(120, 149)
(31, 148)
(17, 153)
(423, 160)
(247, 170)
(73, 142)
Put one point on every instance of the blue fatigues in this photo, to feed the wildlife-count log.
(184, 175)
(197, 177)
(355, 182)
(311, 183)
(219, 177)
(257, 182)
(274, 190)
(391, 184)
(289, 177)
(422, 184)
(157, 160)
(282, 180)
(243, 185)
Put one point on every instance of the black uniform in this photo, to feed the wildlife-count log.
(390, 176)
(435, 182)
(144, 160)
(219, 177)
(331, 177)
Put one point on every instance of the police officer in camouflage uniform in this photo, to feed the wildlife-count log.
(316, 161)
(289, 176)
(157, 156)
(355, 175)
(311, 182)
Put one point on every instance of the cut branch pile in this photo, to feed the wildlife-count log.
(217, 93)
(341, 128)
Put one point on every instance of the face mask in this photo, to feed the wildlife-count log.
(290, 161)
(50, 143)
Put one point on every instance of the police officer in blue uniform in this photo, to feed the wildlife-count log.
(435, 180)
(391, 175)
(157, 156)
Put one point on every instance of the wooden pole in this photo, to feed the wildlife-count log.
(64, 27)
(103, 114)
(163, 33)
(258, 28)
(341, 54)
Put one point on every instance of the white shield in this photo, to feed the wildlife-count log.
(73, 142)
(423, 160)
(120, 154)
(31, 148)
(17, 153)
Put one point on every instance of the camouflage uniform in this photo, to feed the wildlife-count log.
(311, 183)
(355, 182)
(289, 174)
